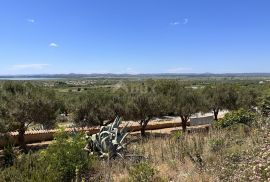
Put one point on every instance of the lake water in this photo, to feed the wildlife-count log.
(28, 78)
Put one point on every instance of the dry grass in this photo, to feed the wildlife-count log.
(190, 157)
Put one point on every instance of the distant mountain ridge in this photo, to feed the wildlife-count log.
(112, 75)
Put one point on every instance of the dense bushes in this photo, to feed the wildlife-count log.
(265, 106)
(28, 168)
(67, 156)
(236, 117)
(64, 160)
(9, 155)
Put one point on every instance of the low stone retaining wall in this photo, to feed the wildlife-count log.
(201, 120)
(48, 135)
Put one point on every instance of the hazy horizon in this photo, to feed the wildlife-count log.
(67, 74)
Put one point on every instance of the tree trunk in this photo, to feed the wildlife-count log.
(216, 111)
(143, 124)
(21, 139)
(143, 131)
(184, 123)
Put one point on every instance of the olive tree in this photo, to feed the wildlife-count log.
(220, 97)
(143, 107)
(248, 98)
(97, 108)
(186, 102)
(24, 104)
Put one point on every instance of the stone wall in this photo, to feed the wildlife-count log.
(48, 135)
(201, 120)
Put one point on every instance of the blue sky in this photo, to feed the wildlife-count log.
(134, 36)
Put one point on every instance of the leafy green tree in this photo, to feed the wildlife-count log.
(166, 87)
(220, 97)
(248, 98)
(185, 103)
(181, 99)
(99, 107)
(143, 107)
(69, 101)
(24, 104)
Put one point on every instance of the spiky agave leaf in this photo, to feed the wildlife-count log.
(109, 142)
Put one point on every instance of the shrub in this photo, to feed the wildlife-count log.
(9, 155)
(265, 106)
(64, 160)
(66, 155)
(28, 168)
(142, 172)
(216, 144)
(236, 117)
(177, 135)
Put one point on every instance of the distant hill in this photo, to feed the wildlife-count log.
(111, 75)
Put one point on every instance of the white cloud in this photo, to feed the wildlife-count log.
(31, 20)
(53, 44)
(179, 70)
(29, 66)
(185, 21)
(174, 23)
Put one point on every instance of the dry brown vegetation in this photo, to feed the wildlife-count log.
(213, 156)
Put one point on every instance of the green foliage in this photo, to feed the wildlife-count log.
(219, 97)
(9, 155)
(236, 117)
(177, 135)
(28, 168)
(142, 172)
(23, 104)
(248, 98)
(64, 160)
(144, 106)
(216, 144)
(184, 103)
(3, 126)
(66, 155)
(97, 107)
(265, 106)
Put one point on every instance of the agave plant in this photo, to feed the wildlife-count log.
(109, 141)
